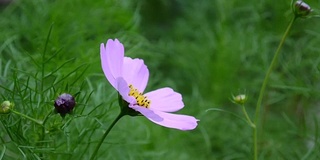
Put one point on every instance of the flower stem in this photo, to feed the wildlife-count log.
(263, 87)
(247, 117)
(27, 117)
(106, 134)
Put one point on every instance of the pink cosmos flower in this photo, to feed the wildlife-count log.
(130, 77)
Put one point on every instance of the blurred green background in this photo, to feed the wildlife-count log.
(208, 50)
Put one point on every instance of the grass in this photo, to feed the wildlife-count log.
(206, 50)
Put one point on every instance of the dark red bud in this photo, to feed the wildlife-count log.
(64, 104)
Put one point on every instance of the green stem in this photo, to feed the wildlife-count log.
(47, 117)
(43, 123)
(263, 87)
(27, 117)
(247, 117)
(43, 58)
(105, 135)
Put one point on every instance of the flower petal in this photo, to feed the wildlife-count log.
(177, 121)
(147, 113)
(124, 90)
(115, 55)
(135, 72)
(106, 66)
(165, 99)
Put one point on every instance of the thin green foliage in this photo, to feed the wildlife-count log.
(33, 94)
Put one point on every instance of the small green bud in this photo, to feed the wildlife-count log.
(301, 9)
(6, 106)
(240, 99)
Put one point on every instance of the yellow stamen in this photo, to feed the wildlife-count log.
(142, 100)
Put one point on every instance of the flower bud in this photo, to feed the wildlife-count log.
(301, 8)
(64, 104)
(240, 99)
(5, 107)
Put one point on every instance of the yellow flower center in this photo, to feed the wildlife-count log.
(142, 100)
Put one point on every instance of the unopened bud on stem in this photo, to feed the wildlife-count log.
(64, 104)
(301, 9)
(240, 99)
(6, 106)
